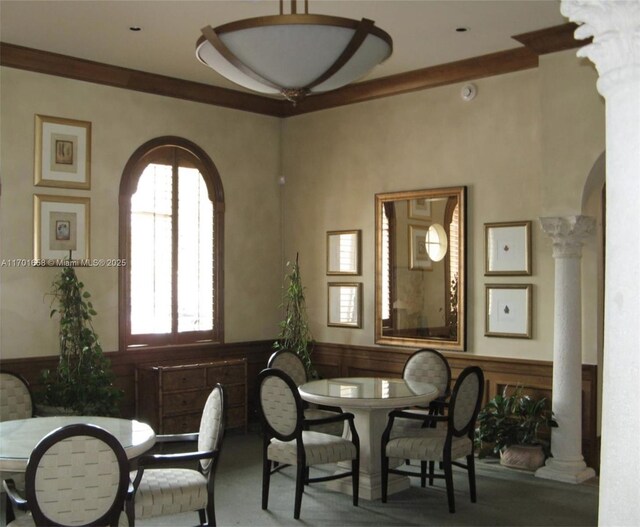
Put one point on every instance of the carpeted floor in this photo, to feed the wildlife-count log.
(505, 498)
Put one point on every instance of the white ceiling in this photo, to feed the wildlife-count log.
(423, 31)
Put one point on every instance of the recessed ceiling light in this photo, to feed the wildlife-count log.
(462, 29)
(135, 28)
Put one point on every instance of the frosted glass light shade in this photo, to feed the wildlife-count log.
(436, 242)
(294, 55)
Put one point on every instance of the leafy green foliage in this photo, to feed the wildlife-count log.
(295, 335)
(515, 419)
(83, 380)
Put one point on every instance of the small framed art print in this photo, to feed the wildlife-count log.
(508, 248)
(508, 310)
(63, 153)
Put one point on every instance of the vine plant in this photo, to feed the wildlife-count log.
(83, 380)
(295, 335)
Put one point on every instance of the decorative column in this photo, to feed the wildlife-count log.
(615, 28)
(568, 235)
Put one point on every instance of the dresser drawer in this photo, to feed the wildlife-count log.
(171, 398)
(181, 402)
(183, 378)
(181, 424)
(226, 374)
(235, 394)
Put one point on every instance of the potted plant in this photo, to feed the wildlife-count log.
(82, 383)
(510, 426)
(295, 334)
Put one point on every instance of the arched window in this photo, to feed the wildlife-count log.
(171, 235)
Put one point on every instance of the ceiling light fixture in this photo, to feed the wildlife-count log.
(294, 55)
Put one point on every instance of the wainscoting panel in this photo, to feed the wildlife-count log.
(338, 360)
(333, 360)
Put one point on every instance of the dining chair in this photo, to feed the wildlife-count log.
(292, 365)
(449, 441)
(287, 442)
(76, 475)
(167, 490)
(16, 400)
(429, 365)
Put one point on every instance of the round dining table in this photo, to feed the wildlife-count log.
(19, 437)
(369, 399)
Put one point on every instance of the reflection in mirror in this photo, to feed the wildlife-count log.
(420, 265)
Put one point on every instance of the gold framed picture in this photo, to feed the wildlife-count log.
(344, 306)
(507, 248)
(63, 153)
(61, 226)
(508, 310)
(343, 252)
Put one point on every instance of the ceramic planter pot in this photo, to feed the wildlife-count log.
(523, 457)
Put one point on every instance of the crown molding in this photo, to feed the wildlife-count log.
(551, 39)
(86, 70)
(557, 38)
(450, 73)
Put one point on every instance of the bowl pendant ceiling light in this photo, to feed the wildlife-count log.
(294, 55)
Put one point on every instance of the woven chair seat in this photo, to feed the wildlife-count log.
(163, 492)
(427, 444)
(319, 449)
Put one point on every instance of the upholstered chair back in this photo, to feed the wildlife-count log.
(465, 400)
(15, 397)
(428, 365)
(211, 425)
(77, 475)
(289, 363)
(280, 404)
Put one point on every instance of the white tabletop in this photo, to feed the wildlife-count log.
(18, 438)
(367, 392)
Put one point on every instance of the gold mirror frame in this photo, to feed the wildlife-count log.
(407, 323)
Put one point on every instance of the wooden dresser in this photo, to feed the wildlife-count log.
(171, 398)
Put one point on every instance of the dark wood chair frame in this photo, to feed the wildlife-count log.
(208, 516)
(452, 431)
(302, 471)
(112, 516)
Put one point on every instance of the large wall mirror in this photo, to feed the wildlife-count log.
(420, 268)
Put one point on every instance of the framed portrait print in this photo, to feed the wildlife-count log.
(508, 310)
(420, 209)
(63, 153)
(343, 252)
(418, 256)
(508, 248)
(60, 229)
(344, 306)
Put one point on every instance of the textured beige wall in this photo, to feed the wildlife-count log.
(524, 147)
(244, 147)
(336, 160)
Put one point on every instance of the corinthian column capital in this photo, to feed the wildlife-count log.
(615, 28)
(568, 233)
